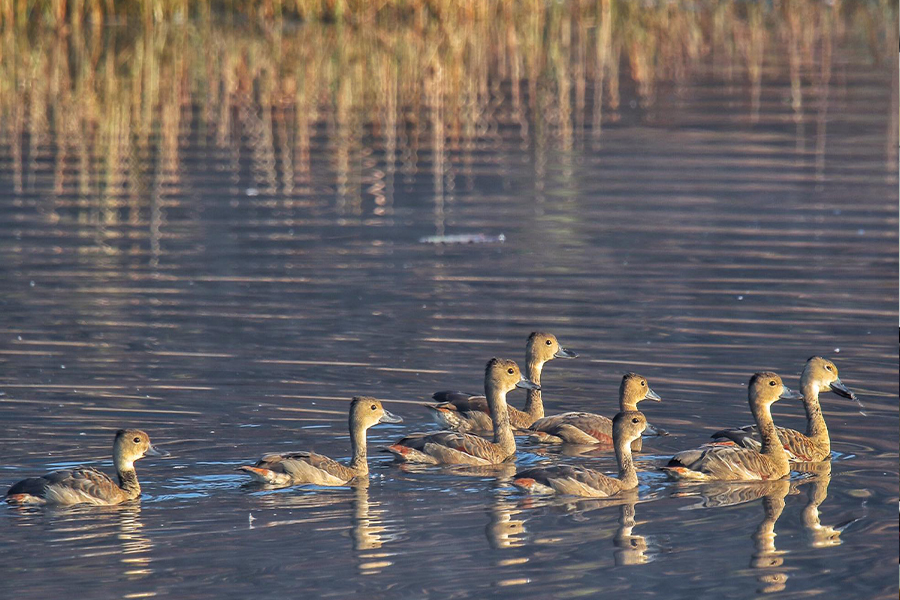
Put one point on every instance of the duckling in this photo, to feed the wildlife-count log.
(627, 426)
(733, 463)
(86, 485)
(295, 468)
(819, 375)
(449, 447)
(590, 428)
(460, 411)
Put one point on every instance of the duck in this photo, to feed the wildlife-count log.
(591, 428)
(298, 468)
(627, 426)
(501, 376)
(461, 411)
(819, 375)
(715, 462)
(86, 485)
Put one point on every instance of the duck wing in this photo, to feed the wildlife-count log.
(448, 447)
(576, 427)
(461, 401)
(723, 463)
(70, 486)
(306, 467)
(566, 479)
(798, 446)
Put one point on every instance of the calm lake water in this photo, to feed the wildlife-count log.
(215, 233)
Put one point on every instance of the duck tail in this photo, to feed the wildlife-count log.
(258, 474)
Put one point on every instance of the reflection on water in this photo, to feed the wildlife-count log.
(135, 547)
(212, 231)
(631, 549)
(766, 559)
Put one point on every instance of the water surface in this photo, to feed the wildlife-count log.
(216, 234)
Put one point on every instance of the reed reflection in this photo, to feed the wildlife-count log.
(89, 125)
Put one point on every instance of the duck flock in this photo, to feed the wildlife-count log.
(481, 430)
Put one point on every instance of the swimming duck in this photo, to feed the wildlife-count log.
(735, 463)
(590, 428)
(627, 426)
(295, 468)
(460, 411)
(449, 447)
(86, 485)
(819, 375)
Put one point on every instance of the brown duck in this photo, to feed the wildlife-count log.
(460, 411)
(580, 481)
(734, 463)
(450, 447)
(591, 428)
(296, 468)
(86, 485)
(819, 375)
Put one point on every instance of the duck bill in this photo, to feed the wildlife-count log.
(563, 353)
(651, 395)
(657, 431)
(838, 387)
(789, 394)
(527, 384)
(154, 451)
(389, 417)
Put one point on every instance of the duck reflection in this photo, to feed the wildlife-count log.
(504, 530)
(135, 545)
(368, 529)
(816, 534)
(766, 560)
(630, 549)
(368, 532)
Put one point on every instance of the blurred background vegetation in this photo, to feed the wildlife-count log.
(91, 90)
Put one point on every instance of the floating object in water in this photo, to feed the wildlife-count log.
(463, 238)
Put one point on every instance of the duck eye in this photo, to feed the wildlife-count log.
(828, 367)
(510, 371)
(137, 440)
(772, 383)
(643, 383)
(374, 407)
(549, 343)
(635, 420)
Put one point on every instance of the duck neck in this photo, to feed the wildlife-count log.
(358, 445)
(627, 472)
(771, 445)
(128, 480)
(534, 405)
(627, 402)
(815, 422)
(503, 435)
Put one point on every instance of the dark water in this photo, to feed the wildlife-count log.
(221, 246)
